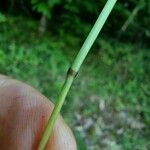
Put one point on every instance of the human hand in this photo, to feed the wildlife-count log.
(24, 113)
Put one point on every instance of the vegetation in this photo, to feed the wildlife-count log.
(111, 107)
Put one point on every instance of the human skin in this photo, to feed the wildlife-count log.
(24, 113)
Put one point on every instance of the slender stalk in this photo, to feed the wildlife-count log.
(132, 16)
(74, 69)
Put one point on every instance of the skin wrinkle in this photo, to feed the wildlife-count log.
(24, 113)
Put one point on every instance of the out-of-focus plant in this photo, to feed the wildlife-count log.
(2, 18)
(76, 16)
(45, 8)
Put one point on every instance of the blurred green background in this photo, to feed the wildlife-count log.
(108, 106)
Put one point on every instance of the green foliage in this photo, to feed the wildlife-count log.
(76, 16)
(128, 66)
(2, 18)
(114, 74)
(45, 6)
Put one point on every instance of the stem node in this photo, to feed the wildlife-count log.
(71, 72)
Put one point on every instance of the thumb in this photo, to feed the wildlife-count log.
(23, 116)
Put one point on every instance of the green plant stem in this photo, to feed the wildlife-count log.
(74, 69)
(132, 16)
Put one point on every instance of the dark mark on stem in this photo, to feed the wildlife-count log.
(71, 72)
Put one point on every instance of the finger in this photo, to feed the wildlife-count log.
(23, 116)
(62, 138)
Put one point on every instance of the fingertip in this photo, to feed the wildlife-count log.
(30, 111)
(62, 137)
